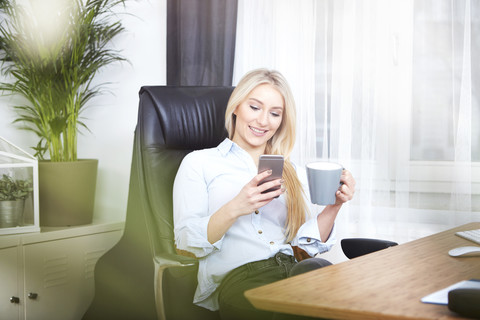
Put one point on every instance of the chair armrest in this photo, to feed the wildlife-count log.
(173, 273)
(355, 247)
(174, 260)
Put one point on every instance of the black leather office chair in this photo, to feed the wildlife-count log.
(172, 121)
(143, 277)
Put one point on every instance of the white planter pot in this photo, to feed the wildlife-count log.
(11, 213)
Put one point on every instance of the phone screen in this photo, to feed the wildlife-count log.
(274, 163)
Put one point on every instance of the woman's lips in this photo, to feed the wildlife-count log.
(258, 132)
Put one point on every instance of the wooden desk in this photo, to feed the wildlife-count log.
(386, 284)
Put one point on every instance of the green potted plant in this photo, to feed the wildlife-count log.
(49, 57)
(13, 193)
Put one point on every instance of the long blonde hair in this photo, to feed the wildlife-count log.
(281, 143)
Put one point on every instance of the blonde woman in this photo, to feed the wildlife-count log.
(244, 237)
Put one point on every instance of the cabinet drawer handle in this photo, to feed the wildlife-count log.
(32, 295)
(15, 300)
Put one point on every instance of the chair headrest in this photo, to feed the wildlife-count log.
(183, 117)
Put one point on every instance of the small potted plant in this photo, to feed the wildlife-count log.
(13, 193)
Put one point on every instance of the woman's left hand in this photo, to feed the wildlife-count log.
(347, 189)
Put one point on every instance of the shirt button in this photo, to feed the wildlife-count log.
(272, 243)
(309, 240)
(256, 212)
(260, 231)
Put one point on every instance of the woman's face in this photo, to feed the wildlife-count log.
(258, 118)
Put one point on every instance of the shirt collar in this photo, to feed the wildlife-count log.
(225, 146)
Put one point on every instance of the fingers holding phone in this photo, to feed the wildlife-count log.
(273, 188)
(263, 188)
(252, 196)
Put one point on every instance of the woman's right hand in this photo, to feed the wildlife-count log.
(251, 198)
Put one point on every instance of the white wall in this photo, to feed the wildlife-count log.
(112, 117)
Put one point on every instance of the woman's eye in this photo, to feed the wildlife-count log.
(254, 107)
(275, 114)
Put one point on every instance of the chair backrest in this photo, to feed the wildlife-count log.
(172, 121)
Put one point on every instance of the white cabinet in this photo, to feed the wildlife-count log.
(51, 273)
(9, 272)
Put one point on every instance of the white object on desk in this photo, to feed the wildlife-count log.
(472, 235)
(464, 251)
(441, 296)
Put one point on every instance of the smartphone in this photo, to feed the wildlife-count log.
(271, 162)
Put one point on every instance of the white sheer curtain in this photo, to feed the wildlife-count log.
(365, 72)
(385, 88)
(280, 34)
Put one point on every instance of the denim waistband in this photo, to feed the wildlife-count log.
(279, 259)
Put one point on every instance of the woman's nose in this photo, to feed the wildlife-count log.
(263, 118)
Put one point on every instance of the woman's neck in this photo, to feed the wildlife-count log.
(256, 155)
(253, 151)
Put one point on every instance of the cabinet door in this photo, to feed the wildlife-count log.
(9, 284)
(59, 275)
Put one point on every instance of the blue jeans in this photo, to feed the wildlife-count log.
(234, 305)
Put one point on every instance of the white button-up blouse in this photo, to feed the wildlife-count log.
(206, 180)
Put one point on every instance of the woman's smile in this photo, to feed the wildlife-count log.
(258, 132)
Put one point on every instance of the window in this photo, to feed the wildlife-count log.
(446, 80)
(397, 88)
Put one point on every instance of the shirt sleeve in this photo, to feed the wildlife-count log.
(308, 236)
(190, 208)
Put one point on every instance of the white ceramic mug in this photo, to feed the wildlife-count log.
(323, 181)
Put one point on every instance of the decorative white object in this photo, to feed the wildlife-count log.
(16, 164)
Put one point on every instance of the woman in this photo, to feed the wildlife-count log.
(243, 237)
